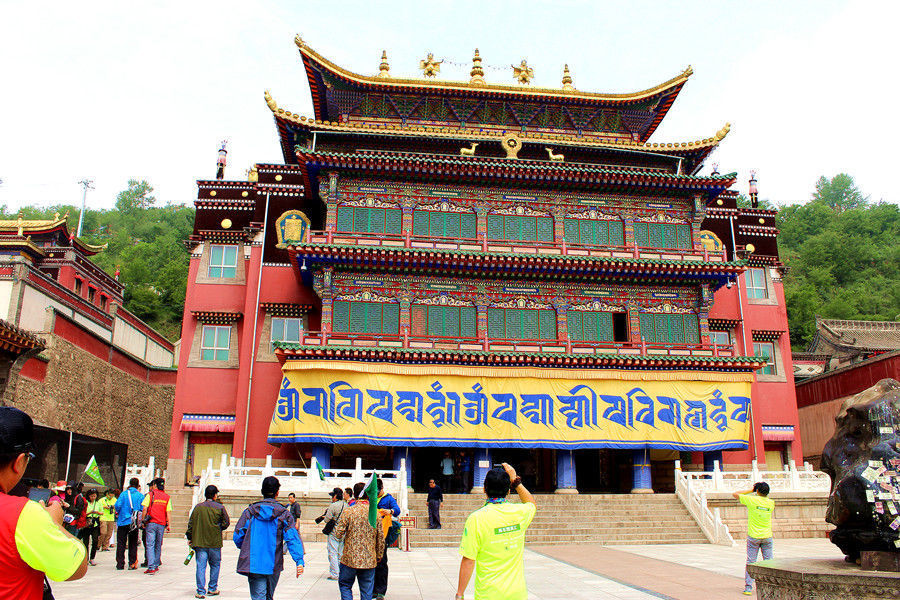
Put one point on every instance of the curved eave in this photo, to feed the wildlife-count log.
(503, 264)
(504, 171)
(315, 63)
(286, 351)
(695, 152)
(30, 228)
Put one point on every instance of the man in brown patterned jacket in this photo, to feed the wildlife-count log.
(363, 545)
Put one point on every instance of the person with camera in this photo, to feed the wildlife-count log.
(493, 540)
(330, 518)
(760, 509)
(128, 524)
(33, 543)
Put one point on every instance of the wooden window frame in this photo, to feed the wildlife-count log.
(214, 346)
(218, 266)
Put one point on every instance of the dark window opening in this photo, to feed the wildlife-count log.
(620, 327)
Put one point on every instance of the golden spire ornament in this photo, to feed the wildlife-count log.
(384, 69)
(429, 66)
(567, 79)
(523, 73)
(477, 72)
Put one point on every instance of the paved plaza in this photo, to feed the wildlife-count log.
(574, 572)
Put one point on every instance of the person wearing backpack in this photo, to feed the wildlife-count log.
(261, 531)
(128, 522)
(389, 508)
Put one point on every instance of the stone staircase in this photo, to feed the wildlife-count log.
(568, 519)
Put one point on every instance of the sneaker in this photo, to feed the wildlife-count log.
(199, 595)
(151, 571)
(92, 563)
(212, 593)
(748, 591)
(120, 568)
(332, 578)
(144, 565)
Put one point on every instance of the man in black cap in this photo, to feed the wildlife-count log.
(33, 542)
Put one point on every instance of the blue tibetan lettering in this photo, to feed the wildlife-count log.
(644, 415)
(444, 410)
(288, 407)
(695, 416)
(672, 413)
(384, 408)
(538, 408)
(743, 407)
(351, 405)
(476, 410)
(321, 405)
(506, 409)
(620, 410)
(719, 416)
(581, 410)
(409, 404)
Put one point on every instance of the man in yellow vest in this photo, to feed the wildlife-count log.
(760, 509)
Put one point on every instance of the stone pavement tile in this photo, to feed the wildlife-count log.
(647, 576)
(424, 574)
(727, 560)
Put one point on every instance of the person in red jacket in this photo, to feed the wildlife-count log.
(157, 506)
(33, 543)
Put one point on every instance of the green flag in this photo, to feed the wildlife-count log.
(371, 492)
(321, 471)
(93, 471)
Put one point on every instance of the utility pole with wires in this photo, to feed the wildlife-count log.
(87, 184)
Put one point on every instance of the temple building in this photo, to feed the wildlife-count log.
(97, 380)
(494, 272)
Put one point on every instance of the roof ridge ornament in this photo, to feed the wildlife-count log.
(270, 101)
(477, 72)
(429, 66)
(720, 135)
(567, 79)
(384, 69)
(523, 73)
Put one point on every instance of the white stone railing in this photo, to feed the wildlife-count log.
(791, 479)
(691, 487)
(144, 473)
(233, 477)
(694, 499)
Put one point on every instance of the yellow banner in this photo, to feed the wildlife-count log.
(399, 405)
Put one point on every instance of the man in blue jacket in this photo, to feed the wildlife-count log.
(129, 503)
(260, 534)
(387, 506)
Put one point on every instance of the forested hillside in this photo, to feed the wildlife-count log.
(843, 254)
(145, 242)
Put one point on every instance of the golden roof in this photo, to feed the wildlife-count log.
(383, 79)
(480, 134)
(26, 227)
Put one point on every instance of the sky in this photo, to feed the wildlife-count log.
(119, 90)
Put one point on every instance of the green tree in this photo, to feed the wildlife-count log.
(136, 197)
(839, 193)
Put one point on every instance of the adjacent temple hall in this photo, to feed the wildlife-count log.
(486, 271)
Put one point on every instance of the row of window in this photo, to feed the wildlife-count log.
(101, 300)
(361, 219)
(503, 323)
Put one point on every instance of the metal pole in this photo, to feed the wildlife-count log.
(262, 249)
(69, 457)
(85, 183)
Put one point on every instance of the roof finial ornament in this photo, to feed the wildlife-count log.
(429, 66)
(220, 162)
(270, 101)
(567, 79)
(720, 135)
(384, 69)
(523, 73)
(477, 73)
(754, 191)
(715, 169)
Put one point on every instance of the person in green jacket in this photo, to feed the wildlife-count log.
(204, 533)
(107, 518)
